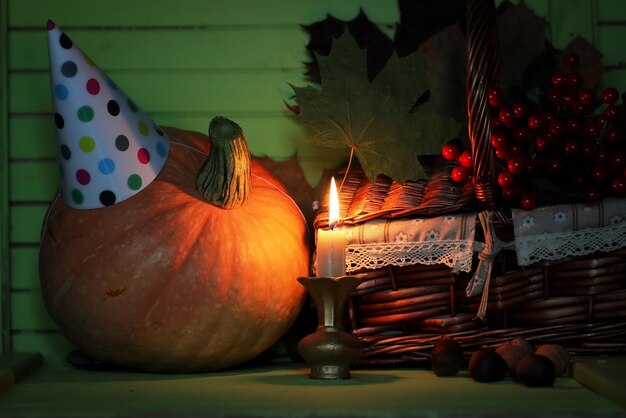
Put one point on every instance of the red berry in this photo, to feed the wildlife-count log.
(517, 164)
(556, 127)
(499, 139)
(459, 174)
(591, 130)
(450, 151)
(465, 159)
(618, 185)
(602, 120)
(541, 143)
(496, 123)
(599, 174)
(578, 179)
(610, 95)
(573, 80)
(528, 201)
(495, 96)
(558, 80)
(603, 155)
(589, 150)
(572, 147)
(517, 150)
(573, 125)
(614, 136)
(506, 116)
(506, 179)
(585, 97)
(549, 116)
(535, 122)
(593, 194)
(568, 100)
(554, 97)
(610, 111)
(502, 153)
(508, 194)
(617, 160)
(554, 165)
(571, 60)
(521, 133)
(520, 109)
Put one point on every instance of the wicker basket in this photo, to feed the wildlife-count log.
(399, 312)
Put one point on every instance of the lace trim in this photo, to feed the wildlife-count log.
(454, 254)
(557, 245)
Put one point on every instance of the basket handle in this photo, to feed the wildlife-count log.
(483, 67)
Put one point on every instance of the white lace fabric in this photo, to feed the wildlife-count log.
(556, 232)
(447, 240)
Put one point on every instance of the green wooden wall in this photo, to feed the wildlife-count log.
(183, 62)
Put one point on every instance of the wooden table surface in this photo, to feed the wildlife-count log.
(284, 390)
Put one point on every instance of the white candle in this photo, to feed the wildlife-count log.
(331, 244)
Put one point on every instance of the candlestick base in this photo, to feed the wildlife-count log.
(330, 350)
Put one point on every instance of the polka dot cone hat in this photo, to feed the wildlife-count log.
(108, 149)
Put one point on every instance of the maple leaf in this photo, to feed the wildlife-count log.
(377, 120)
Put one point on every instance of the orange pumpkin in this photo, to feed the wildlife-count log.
(165, 281)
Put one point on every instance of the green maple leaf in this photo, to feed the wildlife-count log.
(376, 120)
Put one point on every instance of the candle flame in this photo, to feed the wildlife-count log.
(333, 212)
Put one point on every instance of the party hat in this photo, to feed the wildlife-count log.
(108, 149)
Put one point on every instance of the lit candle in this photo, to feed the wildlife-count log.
(331, 244)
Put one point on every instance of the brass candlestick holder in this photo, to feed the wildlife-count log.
(330, 350)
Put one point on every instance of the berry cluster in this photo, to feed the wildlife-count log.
(570, 139)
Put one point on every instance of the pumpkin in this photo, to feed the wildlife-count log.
(197, 272)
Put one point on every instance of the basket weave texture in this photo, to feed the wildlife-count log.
(399, 312)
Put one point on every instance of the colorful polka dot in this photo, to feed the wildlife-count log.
(66, 153)
(93, 87)
(85, 113)
(106, 166)
(134, 182)
(121, 143)
(58, 121)
(161, 150)
(61, 91)
(50, 25)
(143, 156)
(87, 144)
(77, 197)
(83, 177)
(132, 106)
(143, 128)
(107, 198)
(65, 41)
(113, 108)
(69, 69)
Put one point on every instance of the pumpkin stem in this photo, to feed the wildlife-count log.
(224, 178)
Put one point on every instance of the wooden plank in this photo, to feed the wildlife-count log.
(25, 268)
(604, 376)
(53, 346)
(33, 181)
(14, 367)
(196, 13)
(26, 221)
(569, 19)
(218, 92)
(171, 49)
(28, 312)
(5, 324)
(612, 11)
(285, 390)
(609, 44)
